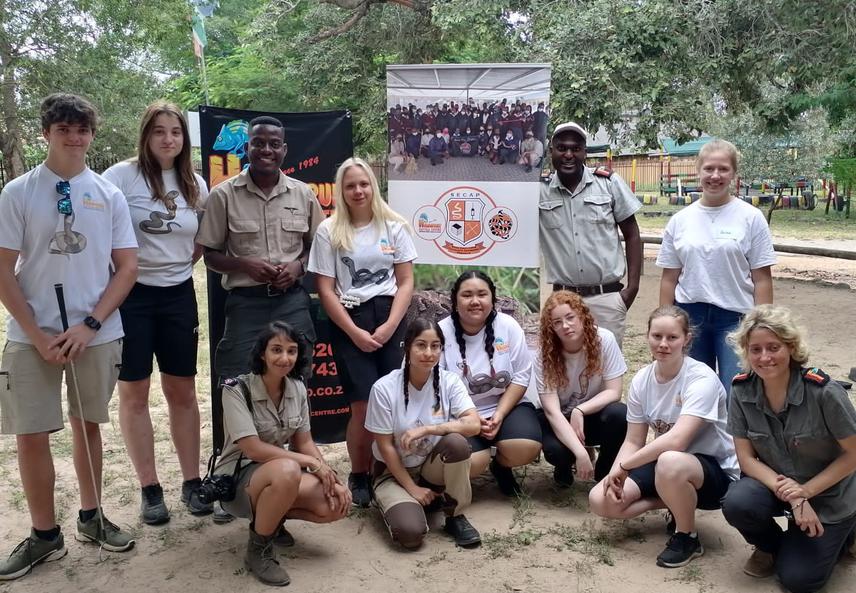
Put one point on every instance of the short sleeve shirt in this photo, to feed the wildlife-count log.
(801, 441)
(368, 269)
(387, 414)
(579, 229)
(581, 388)
(74, 250)
(273, 425)
(241, 221)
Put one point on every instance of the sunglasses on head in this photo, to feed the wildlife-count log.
(63, 205)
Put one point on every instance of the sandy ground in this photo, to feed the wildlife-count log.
(546, 541)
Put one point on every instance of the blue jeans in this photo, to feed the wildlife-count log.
(711, 325)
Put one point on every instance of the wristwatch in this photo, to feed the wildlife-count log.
(92, 323)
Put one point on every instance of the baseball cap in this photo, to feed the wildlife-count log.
(570, 126)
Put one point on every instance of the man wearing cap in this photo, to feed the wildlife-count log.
(580, 210)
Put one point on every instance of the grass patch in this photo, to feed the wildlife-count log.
(498, 545)
(587, 540)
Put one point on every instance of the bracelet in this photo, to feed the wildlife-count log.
(624, 469)
(578, 409)
(800, 505)
(309, 469)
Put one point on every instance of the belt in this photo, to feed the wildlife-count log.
(262, 290)
(587, 291)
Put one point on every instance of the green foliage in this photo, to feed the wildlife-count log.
(519, 283)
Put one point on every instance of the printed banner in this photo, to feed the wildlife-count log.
(466, 152)
(317, 144)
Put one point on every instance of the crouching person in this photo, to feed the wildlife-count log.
(262, 412)
(421, 417)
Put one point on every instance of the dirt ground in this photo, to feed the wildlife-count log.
(543, 542)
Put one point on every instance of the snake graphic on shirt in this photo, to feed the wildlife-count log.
(364, 276)
(67, 241)
(484, 382)
(155, 224)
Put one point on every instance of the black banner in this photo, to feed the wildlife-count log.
(318, 143)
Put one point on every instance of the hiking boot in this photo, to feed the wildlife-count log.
(505, 479)
(153, 510)
(563, 476)
(681, 548)
(30, 552)
(111, 537)
(361, 490)
(221, 515)
(190, 498)
(760, 564)
(260, 560)
(465, 535)
(283, 537)
(671, 526)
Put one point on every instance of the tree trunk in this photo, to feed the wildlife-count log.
(10, 130)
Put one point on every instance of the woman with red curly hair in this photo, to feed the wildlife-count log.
(579, 375)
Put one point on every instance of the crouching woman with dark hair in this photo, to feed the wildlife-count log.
(263, 411)
(421, 417)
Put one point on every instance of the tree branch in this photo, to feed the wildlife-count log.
(361, 8)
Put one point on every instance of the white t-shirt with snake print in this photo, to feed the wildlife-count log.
(73, 250)
(368, 270)
(165, 230)
(512, 362)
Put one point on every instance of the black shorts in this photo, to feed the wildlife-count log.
(521, 423)
(712, 490)
(159, 321)
(359, 370)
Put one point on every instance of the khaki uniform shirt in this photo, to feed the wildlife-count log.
(579, 229)
(273, 425)
(241, 221)
(802, 440)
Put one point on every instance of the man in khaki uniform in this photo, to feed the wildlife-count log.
(257, 231)
(580, 212)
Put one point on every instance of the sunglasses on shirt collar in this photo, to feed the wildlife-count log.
(63, 205)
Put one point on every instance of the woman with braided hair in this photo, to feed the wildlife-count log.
(363, 260)
(420, 417)
(488, 350)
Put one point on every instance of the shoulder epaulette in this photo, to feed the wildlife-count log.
(230, 381)
(741, 378)
(603, 172)
(815, 375)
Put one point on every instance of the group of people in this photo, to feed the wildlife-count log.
(500, 132)
(433, 403)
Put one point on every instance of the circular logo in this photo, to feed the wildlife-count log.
(501, 224)
(428, 223)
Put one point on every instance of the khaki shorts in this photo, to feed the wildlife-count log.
(31, 389)
(610, 312)
(388, 492)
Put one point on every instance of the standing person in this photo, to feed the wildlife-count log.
(257, 230)
(421, 417)
(488, 350)
(691, 461)
(579, 376)
(795, 433)
(539, 124)
(363, 258)
(263, 411)
(716, 258)
(159, 316)
(62, 224)
(580, 212)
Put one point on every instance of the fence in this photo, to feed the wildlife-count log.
(645, 174)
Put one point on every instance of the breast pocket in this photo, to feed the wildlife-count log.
(599, 209)
(763, 445)
(293, 228)
(244, 237)
(551, 212)
(813, 452)
(267, 429)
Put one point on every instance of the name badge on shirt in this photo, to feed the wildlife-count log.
(728, 233)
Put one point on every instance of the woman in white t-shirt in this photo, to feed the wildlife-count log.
(488, 350)
(716, 257)
(421, 417)
(691, 461)
(166, 199)
(579, 376)
(363, 260)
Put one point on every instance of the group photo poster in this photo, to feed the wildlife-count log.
(317, 143)
(467, 145)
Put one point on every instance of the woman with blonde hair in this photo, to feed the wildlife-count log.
(579, 375)
(166, 199)
(363, 260)
(716, 257)
(795, 433)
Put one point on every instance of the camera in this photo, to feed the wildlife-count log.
(216, 487)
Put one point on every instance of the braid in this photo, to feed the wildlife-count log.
(488, 338)
(459, 338)
(406, 383)
(436, 387)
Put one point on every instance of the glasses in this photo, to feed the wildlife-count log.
(63, 205)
